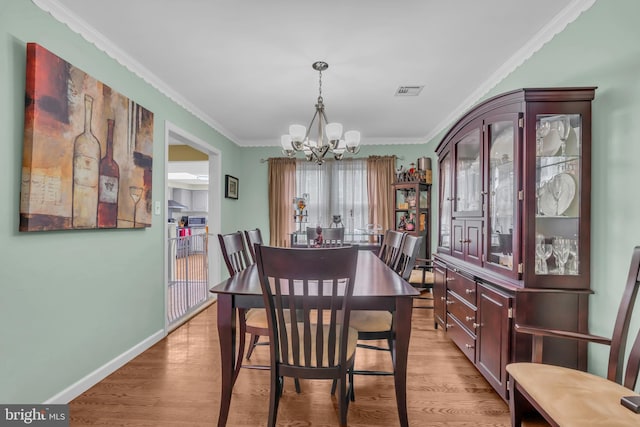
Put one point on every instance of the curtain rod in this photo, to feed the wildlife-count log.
(300, 158)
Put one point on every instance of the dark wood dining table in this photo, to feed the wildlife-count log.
(377, 287)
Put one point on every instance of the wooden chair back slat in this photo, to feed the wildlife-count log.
(331, 237)
(621, 330)
(407, 257)
(234, 252)
(252, 237)
(304, 280)
(391, 246)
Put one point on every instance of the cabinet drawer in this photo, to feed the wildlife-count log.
(461, 337)
(461, 309)
(462, 286)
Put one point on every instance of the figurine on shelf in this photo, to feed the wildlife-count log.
(400, 174)
(412, 172)
(411, 222)
(402, 224)
(318, 241)
(300, 203)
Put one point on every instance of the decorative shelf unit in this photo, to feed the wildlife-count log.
(412, 210)
(514, 227)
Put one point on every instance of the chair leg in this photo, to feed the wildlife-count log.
(296, 381)
(252, 344)
(352, 389)
(274, 398)
(334, 383)
(343, 400)
(517, 404)
(241, 341)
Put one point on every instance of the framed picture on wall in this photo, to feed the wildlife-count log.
(231, 187)
(87, 154)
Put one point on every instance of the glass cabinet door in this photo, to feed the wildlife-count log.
(558, 163)
(502, 193)
(468, 176)
(445, 202)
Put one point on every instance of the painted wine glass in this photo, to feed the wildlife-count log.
(135, 193)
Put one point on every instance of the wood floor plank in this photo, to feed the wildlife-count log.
(176, 383)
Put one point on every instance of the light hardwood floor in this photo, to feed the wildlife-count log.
(175, 383)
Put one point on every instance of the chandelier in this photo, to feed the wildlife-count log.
(329, 135)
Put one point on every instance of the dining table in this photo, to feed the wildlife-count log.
(377, 287)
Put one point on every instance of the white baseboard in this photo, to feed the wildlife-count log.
(84, 384)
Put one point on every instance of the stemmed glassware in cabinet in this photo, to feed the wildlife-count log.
(573, 252)
(561, 246)
(542, 130)
(543, 252)
(564, 128)
(555, 186)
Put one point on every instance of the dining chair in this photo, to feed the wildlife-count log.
(406, 262)
(252, 237)
(391, 246)
(417, 271)
(253, 321)
(566, 396)
(331, 237)
(378, 325)
(313, 340)
(422, 278)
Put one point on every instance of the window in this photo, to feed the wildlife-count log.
(335, 188)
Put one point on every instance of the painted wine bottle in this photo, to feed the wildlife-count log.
(108, 184)
(86, 159)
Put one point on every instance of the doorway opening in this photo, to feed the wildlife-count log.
(192, 212)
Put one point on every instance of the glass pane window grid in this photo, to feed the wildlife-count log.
(501, 193)
(558, 164)
(335, 188)
(468, 177)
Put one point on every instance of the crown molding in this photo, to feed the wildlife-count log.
(90, 34)
(544, 36)
(93, 36)
(370, 141)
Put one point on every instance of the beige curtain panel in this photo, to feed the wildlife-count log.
(380, 176)
(282, 188)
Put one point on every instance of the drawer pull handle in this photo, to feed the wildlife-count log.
(470, 318)
(469, 291)
(449, 325)
(476, 325)
(450, 279)
(443, 298)
(449, 302)
(469, 346)
(465, 241)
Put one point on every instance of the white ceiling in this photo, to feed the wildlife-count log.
(244, 66)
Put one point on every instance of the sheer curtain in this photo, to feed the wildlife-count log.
(335, 188)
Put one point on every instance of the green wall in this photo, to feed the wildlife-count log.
(73, 301)
(601, 49)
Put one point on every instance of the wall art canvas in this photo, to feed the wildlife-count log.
(87, 155)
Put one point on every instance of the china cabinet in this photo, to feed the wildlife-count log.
(513, 233)
(412, 211)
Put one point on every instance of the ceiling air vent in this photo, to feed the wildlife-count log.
(409, 90)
